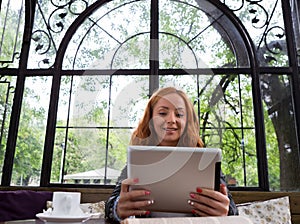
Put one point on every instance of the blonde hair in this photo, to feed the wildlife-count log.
(144, 134)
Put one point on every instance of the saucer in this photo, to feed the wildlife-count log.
(53, 218)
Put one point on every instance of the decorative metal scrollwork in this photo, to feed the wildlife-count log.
(276, 34)
(42, 40)
(260, 16)
(76, 7)
(4, 65)
(60, 3)
(261, 19)
(57, 22)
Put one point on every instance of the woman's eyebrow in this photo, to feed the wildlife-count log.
(167, 108)
(163, 107)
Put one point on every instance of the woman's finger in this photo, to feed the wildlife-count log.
(223, 189)
(210, 202)
(131, 208)
(127, 182)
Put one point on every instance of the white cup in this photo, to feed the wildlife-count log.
(66, 204)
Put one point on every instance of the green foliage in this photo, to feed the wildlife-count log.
(6, 99)
(30, 142)
(11, 36)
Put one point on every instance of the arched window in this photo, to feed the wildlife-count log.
(87, 68)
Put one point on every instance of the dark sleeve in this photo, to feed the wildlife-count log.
(232, 207)
(111, 200)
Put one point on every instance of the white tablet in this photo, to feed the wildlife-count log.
(172, 173)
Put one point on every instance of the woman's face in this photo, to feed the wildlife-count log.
(169, 119)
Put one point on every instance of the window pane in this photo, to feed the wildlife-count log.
(11, 32)
(129, 98)
(117, 43)
(264, 23)
(282, 146)
(198, 36)
(187, 83)
(78, 150)
(117, 151)
(84, 100)
(7, 87)
(31, 134)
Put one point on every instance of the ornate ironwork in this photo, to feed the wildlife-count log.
(273, 36)
(46, 40)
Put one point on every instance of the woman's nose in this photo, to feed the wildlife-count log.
(171, 119)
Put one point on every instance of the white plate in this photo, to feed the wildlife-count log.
(52, 218)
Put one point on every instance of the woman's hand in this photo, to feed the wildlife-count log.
(128, 204)
(208, 202)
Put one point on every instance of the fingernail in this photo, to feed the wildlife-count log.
(194, 211)
(136, 180)
(147, 213)
(222, 185)
(192, 195)
(190, 202)
(199, 190)
(147, 192)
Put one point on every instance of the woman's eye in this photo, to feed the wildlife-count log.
(162, 113)
(179, 115)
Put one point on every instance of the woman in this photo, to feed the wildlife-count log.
(169, 120)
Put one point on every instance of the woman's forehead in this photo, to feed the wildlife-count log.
(173, 100)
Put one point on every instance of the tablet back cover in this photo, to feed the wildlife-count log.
(172, 173)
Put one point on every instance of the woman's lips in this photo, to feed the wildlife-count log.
(170, 129)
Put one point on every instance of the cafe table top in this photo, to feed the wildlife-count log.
(38, 221)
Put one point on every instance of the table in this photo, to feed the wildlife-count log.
(38, 221)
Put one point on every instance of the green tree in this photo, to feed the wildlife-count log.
(29, 148)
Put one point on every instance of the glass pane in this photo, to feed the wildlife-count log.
(7, 88)
(263, 21)
(120, 36)
(198, 36)
(78, 150)
(82, 161)
(84, 100)
(188, 83)
(129, 98)
(295, 18)
(117, 152)
(31, 134)
(283, 151)
(12, 15)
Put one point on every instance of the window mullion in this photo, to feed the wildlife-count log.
(154, 47)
